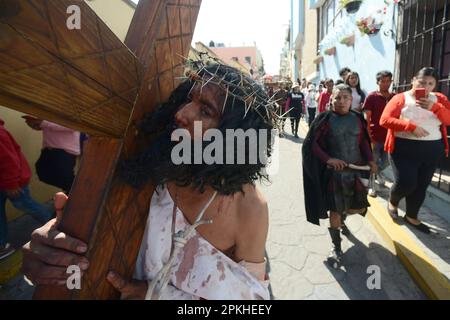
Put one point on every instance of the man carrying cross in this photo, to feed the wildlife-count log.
(209, 223)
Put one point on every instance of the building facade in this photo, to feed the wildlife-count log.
(342, 43)
(399, 36)
(285, 57)
(248, 56)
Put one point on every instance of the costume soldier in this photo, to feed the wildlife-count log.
(343, 137)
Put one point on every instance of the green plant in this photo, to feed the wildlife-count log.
(343, 3)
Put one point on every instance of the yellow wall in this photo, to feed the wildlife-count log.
(117, 14)
(310, 44)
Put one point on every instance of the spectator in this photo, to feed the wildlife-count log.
(295, 103)
(373, 109)
(325, 96)
(311, 104)
(417, 121)
(358, 94)
(15, 176)
(61, 147)
(343, 73)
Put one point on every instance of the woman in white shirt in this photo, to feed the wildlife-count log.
(416, 141)
(358, 94)
(311, 103)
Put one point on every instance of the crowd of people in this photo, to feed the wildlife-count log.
(370, 131)
(55, 167)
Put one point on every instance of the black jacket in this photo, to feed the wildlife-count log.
(315, 173)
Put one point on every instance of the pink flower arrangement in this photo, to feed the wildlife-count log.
(369, 26)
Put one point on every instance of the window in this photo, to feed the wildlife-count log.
(248, 60)
(330, 14)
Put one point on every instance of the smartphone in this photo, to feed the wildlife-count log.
(420, 93)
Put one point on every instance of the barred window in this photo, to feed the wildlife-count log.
(330, 13)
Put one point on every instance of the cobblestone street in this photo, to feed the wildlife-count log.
(297, 249)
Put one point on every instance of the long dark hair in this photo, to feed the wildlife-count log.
(358, 86)
(154, 163)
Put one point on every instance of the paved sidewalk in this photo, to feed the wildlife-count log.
(297, 250)
(437, 245)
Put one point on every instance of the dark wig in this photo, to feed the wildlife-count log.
(247, 107)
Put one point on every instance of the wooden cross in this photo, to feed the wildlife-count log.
(88, 80)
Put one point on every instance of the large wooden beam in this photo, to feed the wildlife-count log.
(85, 79)
(160, 35)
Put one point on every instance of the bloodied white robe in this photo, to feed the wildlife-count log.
(200, 271)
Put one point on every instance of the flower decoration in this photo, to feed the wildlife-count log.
(330, 51)
(369, 26)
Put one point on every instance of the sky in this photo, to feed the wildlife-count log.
(239, 22)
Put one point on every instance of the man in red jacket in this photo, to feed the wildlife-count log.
(15, 176)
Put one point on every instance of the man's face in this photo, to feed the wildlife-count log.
(344, 75)
(341, 101)
(205, 105)
(385, 83)
(329, 85)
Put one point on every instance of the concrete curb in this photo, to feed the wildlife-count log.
(419, 265)
(10, 267)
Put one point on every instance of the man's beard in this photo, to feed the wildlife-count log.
(154, 164)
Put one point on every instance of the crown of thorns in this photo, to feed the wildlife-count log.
(237, 86)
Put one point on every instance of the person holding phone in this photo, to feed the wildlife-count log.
(417, 138)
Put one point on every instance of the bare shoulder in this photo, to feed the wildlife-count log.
(253, 225)
(252, 205)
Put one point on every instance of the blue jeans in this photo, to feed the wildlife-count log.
(380, 156)
(24, 203)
